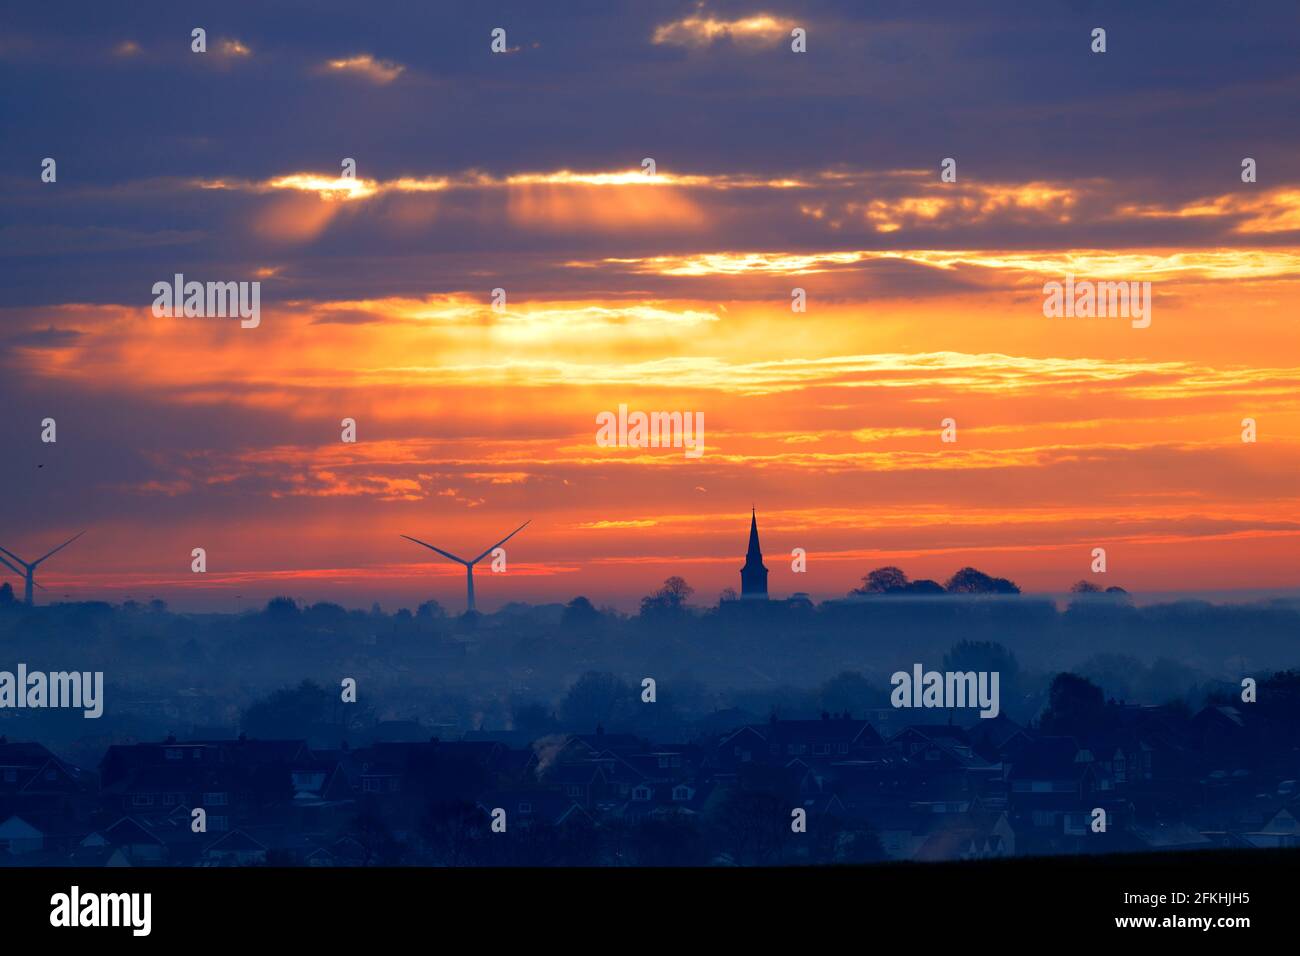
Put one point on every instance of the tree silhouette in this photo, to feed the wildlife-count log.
(308, 711)
(676, 590)
(973, 581)
(1279, 698)
(281, 608)
(454, 831)
(885, 580)
(1075, 707)
(849, 691)
(672, 841)
(924, 586)
(579, 615)
(750, 826)
(987, 656)
(430, 611)
(378, 844)
(668, 601)
(596, 698)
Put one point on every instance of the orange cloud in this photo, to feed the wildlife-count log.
(946, 206)
(233, 48)
(1207, 265)
(364, 65)
(758, 30)
(1274, 210)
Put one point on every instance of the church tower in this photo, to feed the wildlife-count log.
(753, 576)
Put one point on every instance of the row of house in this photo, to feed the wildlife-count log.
(926, 791)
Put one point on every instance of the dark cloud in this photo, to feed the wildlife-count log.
(48, 338)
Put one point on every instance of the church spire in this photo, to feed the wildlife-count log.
(753, 576)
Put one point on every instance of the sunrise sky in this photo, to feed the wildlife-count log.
(522, 171)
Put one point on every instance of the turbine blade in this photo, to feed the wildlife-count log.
(10, 565)
(502, 541)
(445, 554)
(58, 549)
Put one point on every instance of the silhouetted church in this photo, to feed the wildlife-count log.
(753, 576)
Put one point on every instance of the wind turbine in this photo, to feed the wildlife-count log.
(26, 570)
(469, 565)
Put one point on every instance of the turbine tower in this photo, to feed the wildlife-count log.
(27, 570)
(469, 565)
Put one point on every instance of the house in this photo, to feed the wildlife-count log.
(320, 778)
(661, 762)
(1048, 778)
(969, 836)
(914, 737)
(136, 841)
(826, 805)
(584, 783)
(1233, 737)
(1168, 836)
(235, 848)
(398, 731)
(995, 737)
(320, 857)
(232, 780)
(666, 799)
(18, 837)
(530, 807)
(943, 769)
(400, 779)
(876, 776)
(741, 746)
(1281, 830)
(157, 790)
(830, 738)
(903, 830)
(46, 791)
